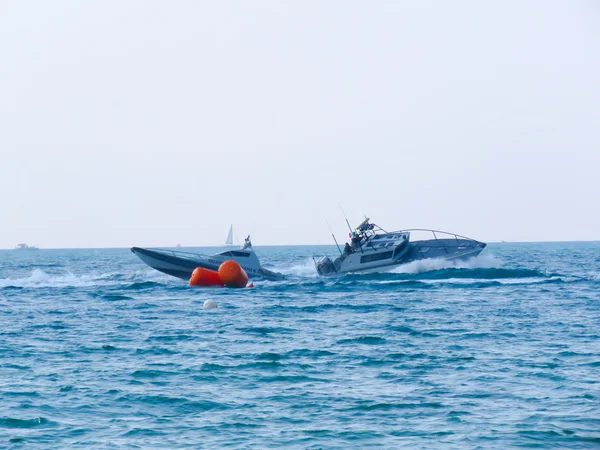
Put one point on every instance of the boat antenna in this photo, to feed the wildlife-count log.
(334, 239)
(349, 227)
(344, 214)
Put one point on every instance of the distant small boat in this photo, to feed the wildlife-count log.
(25, 247)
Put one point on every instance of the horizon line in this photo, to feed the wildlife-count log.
(275, 245)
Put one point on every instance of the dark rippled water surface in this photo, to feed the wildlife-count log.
(99, 351)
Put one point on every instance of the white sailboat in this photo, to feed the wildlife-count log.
(229, 240)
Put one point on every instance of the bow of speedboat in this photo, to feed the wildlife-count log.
(168, 262)
(452, 248)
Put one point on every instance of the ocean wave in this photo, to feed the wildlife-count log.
(266, 330)
(38, 422)
(479, 274)
(116, 297)
(143, 432)
(499, 281)
(39, 278)
(138, 285)
(150, 374)
(367, 340)
(451, 273)
(292, 379)
(373, 406)
(180, 403)
(459, 283)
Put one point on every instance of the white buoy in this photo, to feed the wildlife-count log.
(210, 304)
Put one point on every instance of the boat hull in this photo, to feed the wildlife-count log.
(181, 265)
(171, 265)
(414, 255)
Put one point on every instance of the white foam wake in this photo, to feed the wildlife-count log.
(594, 276)
(40, 279)
(307, 267)
(428, 265)
(304, 269)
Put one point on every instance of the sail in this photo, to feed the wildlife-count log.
(229, 240)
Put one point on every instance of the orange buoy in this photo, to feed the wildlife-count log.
(205, 277)
(232, 274)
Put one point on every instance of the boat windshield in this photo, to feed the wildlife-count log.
(235, 253)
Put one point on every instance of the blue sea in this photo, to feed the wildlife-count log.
(99, 351)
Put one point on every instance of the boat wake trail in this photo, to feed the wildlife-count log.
(428, 265)
(306, 268)
(41, 279)
(481, 271)
(302, 269)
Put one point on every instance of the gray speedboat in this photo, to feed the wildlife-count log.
(181, 264)
(372, 249)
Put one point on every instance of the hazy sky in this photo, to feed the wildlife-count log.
(153, 123)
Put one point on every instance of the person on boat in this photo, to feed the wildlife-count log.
(347, 249)
(355, 240)
(247, 243)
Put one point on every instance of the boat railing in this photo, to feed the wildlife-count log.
(178, 253)
(435, 233)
